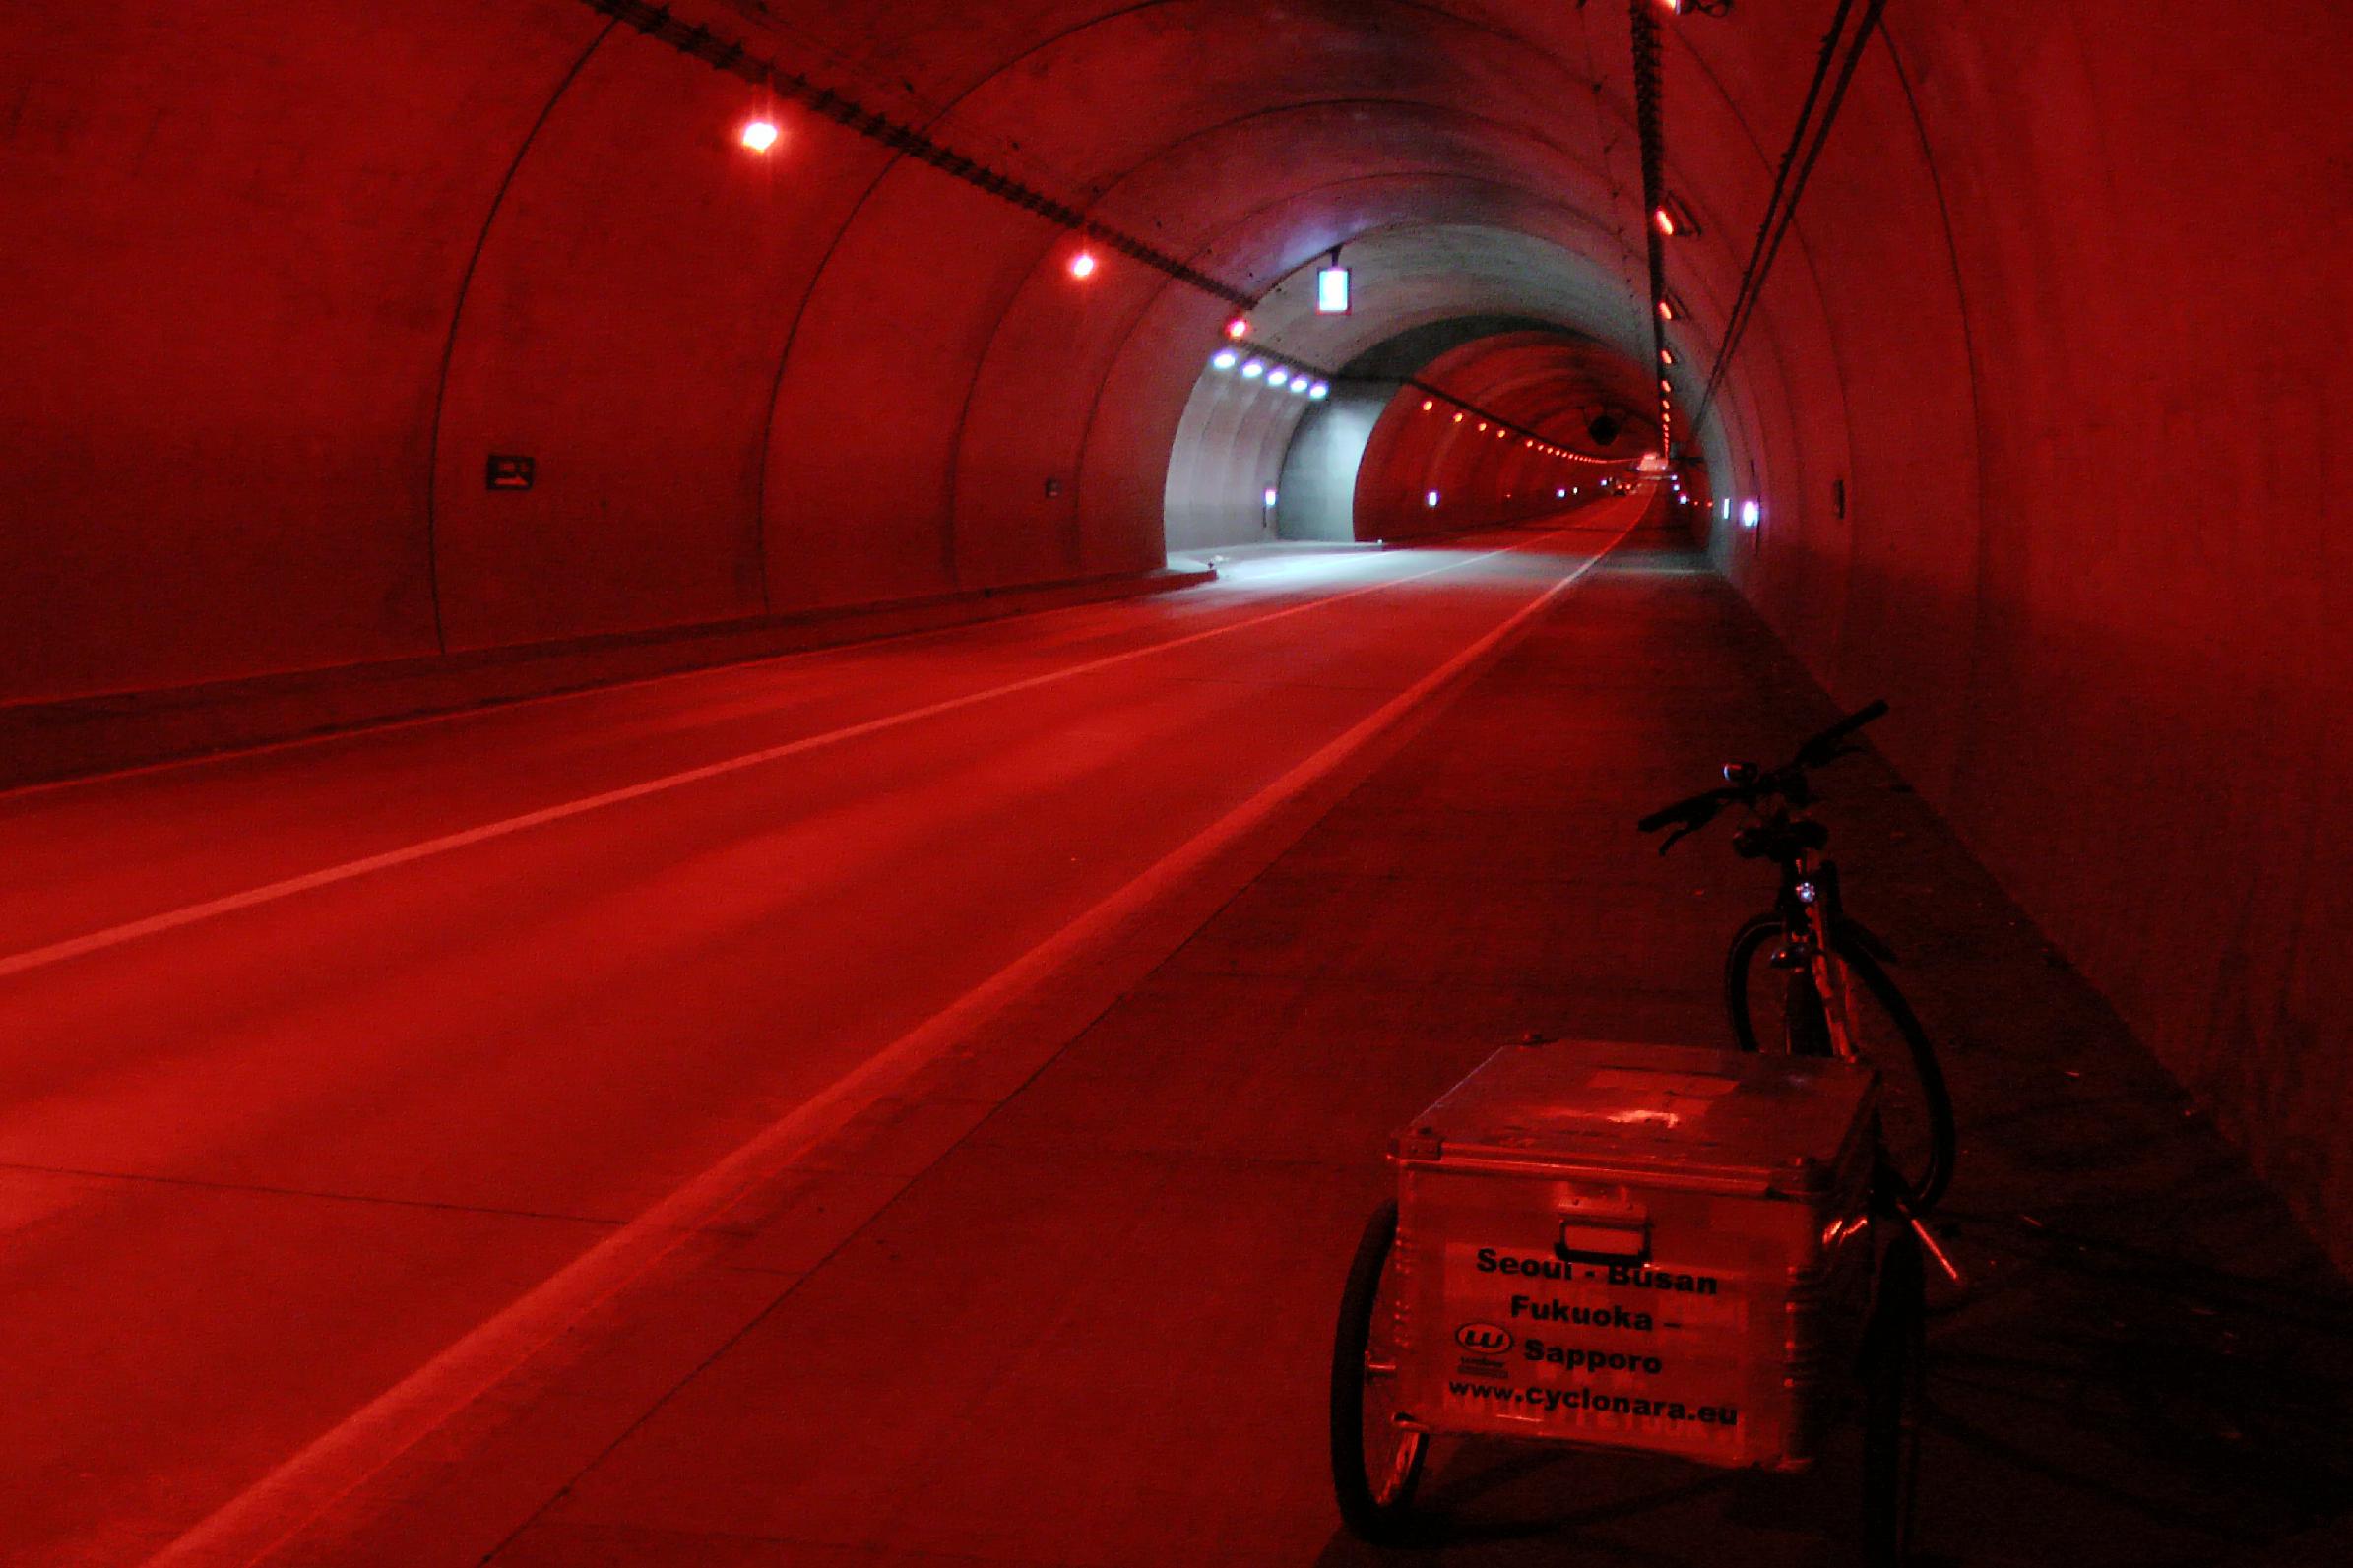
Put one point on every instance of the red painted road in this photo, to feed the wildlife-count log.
(329, 1070)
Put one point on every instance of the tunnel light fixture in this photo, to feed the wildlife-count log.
(1251, 370)
(1674, 221)
(1483, 427)
(1321, 390)
(1223, 359)
(759, 133)
(1082, 264)
(1429, 404)
(1724, 509)
(1272, 495)
(1750, 512)
(1666, 356)
(1278, 377)
(1459, 419)
(1299, 386)
(1560, 495)
(1430, 499)
(1239, 328)
(1331, 288)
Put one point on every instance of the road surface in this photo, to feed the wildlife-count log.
(337, 1076)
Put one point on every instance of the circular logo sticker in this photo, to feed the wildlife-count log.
(1484, 1338)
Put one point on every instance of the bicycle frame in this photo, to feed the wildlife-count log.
(1808, 906)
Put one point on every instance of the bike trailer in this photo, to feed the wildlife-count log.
(1643, 1247)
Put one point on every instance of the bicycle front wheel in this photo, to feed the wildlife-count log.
(1747, 966)
(1916, 1125)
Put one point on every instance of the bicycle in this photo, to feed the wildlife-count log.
(1823, 980)
(1401, 1338)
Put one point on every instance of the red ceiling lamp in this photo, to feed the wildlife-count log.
(1673, 219)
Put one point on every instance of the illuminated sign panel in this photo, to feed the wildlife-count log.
(1331, 291)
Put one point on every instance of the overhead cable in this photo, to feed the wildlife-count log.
(1649, 124)
(701, 43)
(1789, 183)
(731, 57)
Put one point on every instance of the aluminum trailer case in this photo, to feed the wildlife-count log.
(1643, 1247)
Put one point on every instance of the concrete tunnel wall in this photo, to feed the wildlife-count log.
(2093, 396)
(1438, 287)
(2062, 311)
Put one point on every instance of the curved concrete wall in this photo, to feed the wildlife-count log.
(1423, 287)
(1229, 452)
(280, 277)
(1326, 453)
(1434, 466)
(2095, 407)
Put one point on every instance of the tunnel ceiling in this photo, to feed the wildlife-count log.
(821, 375)
(1408, 279)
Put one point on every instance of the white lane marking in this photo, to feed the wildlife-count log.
(269, 1514)
(269, 893)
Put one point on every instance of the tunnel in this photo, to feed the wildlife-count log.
(755, 754)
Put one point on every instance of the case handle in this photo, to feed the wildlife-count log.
(1615, 1234)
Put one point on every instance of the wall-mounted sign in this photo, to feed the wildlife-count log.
(509, 472)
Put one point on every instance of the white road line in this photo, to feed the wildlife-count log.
(269, 893)
(272, 1511)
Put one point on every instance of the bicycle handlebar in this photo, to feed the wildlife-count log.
(1693, 812)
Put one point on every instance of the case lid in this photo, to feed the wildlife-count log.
(1660, 1110)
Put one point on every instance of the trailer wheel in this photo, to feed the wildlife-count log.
(1893, 1346)
(1375, 1463)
